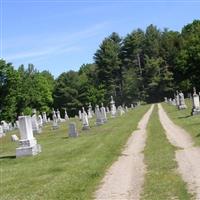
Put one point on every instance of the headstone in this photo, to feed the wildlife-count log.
(121, 111)
(126, 108)
(99, 119)
(195, 102)
(28, 144)
(112, 107)
(1, 131)
(80, 115)
(14, 138)
(58, 115)
(5, 126)
(55, 120)
(132, 107)
(44, 117)
(35, 125)
(165, 99)
(89, 111)
(107, 109)
(66, 115)
(103, 113)
(40, 121)
(182, 104)
(177, 98)
(72, 130)
(85, 121)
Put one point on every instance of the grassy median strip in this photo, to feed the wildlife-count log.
(184, 119)
(161, 180)
(67, 168)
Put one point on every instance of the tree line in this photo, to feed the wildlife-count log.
(145, 65)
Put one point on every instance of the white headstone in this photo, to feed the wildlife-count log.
(40, 121)
(1, 131)
(55, 121)
(103, 113)
(28, 144)
(195, 101)
(85, 121)
(58, 115)
(14, 138)
(44, 117)
(66, 115)
(35, 125)
(182, 104)
(80, 115)
(113, 108)
(89, 111)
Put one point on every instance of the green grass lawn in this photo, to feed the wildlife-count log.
(67, 168)
(184, 119)
(161, 180)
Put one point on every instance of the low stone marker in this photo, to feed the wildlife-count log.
(28, 144)
(14, 138)
(182, 104)
(72, 130)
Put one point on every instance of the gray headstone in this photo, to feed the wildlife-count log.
(72, 130)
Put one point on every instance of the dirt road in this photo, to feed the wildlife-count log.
(188, 157)
(124, 179)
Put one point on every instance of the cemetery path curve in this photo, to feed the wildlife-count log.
(188, 157)
(125, 178)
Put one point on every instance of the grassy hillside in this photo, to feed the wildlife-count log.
(67, 168)
(184, 119)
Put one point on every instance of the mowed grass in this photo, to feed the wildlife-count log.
(184, 119)
(162, 182)
(67, 168)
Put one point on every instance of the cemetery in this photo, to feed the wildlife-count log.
(99, 100)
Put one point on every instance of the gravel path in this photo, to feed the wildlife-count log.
(124, 179)
(188, 158)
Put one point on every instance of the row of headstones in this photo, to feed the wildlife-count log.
(28, 144)
(100, 113)
(179, 101)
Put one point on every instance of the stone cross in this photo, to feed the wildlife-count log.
(72, 130)
(27, 142)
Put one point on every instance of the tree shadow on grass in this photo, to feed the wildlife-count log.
(182, 117)
(7, 157)
(198, 135)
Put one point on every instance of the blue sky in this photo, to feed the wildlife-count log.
(62, 35)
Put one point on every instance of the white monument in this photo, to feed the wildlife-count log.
(55, 120)
(28, 144)
(35, 125)
(85, 121)
(14, 138)
(44, 117)
(195, 102)
(103, 113)
(58, 115)
(66, 115)
(182, 104)
(113, 107)
(1, 131)
(89, 111)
